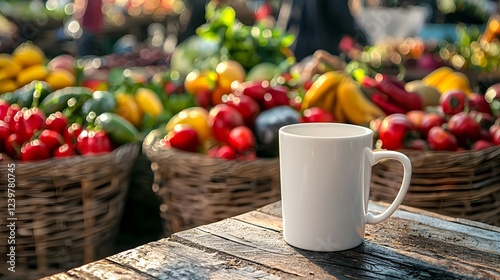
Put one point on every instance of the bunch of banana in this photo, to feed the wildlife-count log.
(340, 95)
(445, 79)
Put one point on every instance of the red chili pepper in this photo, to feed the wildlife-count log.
(408, 100)
(382, 101)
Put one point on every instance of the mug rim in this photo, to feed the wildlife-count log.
(364, 131)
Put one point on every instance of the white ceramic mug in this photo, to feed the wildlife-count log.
(325, 171)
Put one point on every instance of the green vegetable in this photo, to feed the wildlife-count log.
(180, 101)
(62, 99)
(101, 102)
(119, 129)
(28, 95)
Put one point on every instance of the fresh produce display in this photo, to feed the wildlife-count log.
(457, 123)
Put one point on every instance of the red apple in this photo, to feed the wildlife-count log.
(477, 102)
(415, 117)
(453, 102)
(495, 138)
(396, 131)
(241, 138)
(247, 106)
(182, 137)
(225, 152)
(429, 121)
(222, 118)
(441, 140)
(481, 145)
(316, 114)
(464, 127)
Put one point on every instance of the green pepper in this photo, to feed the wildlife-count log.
(63, 98)
(101, 102)
(118, 128)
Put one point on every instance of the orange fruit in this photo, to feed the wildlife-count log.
(197, 81)
(229, 72)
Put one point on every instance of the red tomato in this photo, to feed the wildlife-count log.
(63, 151)
(34, 150)
(440, 140)
(183, 137)
(453, 102)
(51, 138)
(241, 139)
(395, 131)
(57, 121)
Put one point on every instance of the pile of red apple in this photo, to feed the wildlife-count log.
(460, 122)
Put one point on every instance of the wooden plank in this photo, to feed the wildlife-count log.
(401, 248)
(169, 260)
(101, 269)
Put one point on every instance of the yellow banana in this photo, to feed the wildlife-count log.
(355, 106)
(455, 80)
(8, 68)
(435, 77)
(338, 115)
(322, 88)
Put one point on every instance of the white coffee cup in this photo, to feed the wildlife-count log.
(325, 172)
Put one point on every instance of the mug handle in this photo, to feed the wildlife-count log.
(374, 157)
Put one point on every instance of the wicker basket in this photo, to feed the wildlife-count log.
(462, 184)
(67, 210)
(196, 189)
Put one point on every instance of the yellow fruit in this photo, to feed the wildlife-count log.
(32, 73)
(60, 78)
(229, 72)
(430, 94)
(149, 102)
(8, 85)
(8, 68)
(127, 107)
(28, 54)
(197, 117)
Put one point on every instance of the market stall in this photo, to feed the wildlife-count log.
(189, 130)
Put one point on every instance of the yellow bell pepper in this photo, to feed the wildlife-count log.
(149, 102)
(127, 107)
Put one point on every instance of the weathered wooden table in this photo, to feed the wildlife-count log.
(412, 244)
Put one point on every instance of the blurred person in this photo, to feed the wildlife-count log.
(321, 25)
(90, 16)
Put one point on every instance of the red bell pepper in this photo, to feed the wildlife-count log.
(382, 101)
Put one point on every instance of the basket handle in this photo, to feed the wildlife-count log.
(374, 157)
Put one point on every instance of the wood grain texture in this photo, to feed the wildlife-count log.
(411, 244)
